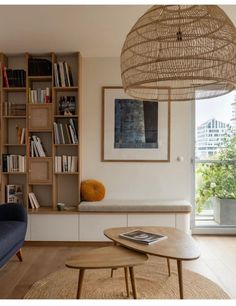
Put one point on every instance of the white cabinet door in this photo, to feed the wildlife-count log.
(54, 227)
(182, 222)
(93, 225)
(152, 219)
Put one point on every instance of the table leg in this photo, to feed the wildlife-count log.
(126, 280)
(80, 282)
(180, 276)
(131, 272)
(168, 265)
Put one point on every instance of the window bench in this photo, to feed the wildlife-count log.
(89, 222)
(116, 213)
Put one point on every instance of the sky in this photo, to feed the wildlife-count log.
(219, 108)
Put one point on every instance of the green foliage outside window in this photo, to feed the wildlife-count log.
(218, 179)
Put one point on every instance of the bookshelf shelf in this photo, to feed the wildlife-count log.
(66, 173)
(66, 145)
(49, 210)
(36, 120)
(14, 89)
(65, 117)
(40, 78)
(13, 173)
(62, 89)
(14, 117)
(14, 145)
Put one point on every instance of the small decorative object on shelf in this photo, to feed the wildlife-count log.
(14, 194)
(67, 105)
(60, 206)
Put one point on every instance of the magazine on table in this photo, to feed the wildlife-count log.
(142, 237)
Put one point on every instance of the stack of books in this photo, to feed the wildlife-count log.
(33, 201)
(39, 66)
(65, 133)
(36, 148)
(20, 135)
(14, 77)
(14, 109)
(62, 75)
(66, 163)
(39, 95)
(67, 105)
(13, 163)
(14, 194)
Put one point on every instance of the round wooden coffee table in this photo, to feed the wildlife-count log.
(178, 246)
(112, 257)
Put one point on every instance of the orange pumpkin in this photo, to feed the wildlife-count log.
(92, 190)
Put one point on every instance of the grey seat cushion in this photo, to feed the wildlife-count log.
(180, 206)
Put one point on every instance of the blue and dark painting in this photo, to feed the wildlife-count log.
(136, 124)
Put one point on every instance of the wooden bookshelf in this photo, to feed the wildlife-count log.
(49, 186)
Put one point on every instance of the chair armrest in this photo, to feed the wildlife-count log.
(13, 212)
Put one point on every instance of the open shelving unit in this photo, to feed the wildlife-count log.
(40, 177)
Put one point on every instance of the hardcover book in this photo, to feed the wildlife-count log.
(143, 237)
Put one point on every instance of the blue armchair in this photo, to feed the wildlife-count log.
(13, 225)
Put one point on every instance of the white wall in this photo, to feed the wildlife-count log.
(131, 180)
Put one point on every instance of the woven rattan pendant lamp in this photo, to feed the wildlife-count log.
(190, 49)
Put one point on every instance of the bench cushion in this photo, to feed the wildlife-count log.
(172, 206)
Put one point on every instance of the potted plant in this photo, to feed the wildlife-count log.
(218, 184)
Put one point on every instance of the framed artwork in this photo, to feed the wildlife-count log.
(134, 130)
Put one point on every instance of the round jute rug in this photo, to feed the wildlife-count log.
(152, 282)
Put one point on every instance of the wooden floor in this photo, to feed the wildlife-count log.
(217, 262)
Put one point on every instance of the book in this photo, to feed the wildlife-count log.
(39, 66)
(33, 200)
(142, 237)
(14, 194)
(14, 77)
(13, 163)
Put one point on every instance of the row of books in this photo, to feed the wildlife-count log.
(20, 134)
(66, 163)
(14, 194)
(13, 163)
(14, 109)
(65, 133)
(33, 201)
(36, 148)
(39, 95)
(67, 105)
(62, 75)
(13, 77)
(39, 66)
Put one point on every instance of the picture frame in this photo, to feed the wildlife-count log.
(134, 130)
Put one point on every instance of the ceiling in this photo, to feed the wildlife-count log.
(94, 30)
